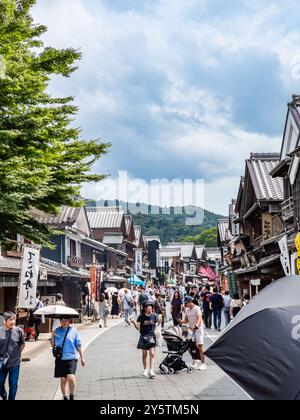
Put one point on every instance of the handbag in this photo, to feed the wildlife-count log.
(5, 357)
(149, 339)
(57, 351)
(129, 302)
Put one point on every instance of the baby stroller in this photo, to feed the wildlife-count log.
(177, 344)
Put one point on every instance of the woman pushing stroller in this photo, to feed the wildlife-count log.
(146, 324)
(194, 320)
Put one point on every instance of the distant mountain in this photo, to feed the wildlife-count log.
(170, 226)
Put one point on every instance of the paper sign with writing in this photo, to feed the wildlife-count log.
(29, 277)
(139, 262)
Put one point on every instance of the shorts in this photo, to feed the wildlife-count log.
(199, 336)
(63, 368)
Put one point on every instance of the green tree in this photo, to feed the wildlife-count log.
(43, 158)
(207, 237)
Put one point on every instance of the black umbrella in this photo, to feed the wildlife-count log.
(260, 349)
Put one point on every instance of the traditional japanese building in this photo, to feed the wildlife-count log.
(255, 251)
(288, 170)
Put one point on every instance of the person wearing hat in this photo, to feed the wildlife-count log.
(146, 324)
(193, 319)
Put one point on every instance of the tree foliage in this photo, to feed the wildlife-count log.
(207, 237)
(43, 158)
(171, 226)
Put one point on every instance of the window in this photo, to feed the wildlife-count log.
(72, 248)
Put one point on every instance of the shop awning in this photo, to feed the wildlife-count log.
(136, 281)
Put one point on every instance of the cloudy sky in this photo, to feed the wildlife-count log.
(182, 88)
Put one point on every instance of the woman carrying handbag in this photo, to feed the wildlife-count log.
(66, 346)
(146, 324)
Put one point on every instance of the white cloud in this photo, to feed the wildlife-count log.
(180, 88)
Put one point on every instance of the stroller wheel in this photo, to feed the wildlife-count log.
(190, 370)
(163, 370)
(171, 371)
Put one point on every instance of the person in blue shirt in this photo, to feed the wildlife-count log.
(68, 337)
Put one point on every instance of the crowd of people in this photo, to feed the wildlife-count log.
(150, 310)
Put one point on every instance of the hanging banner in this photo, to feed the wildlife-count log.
(30, 265)
(98, 283)
(93, 280)
(284, 255)
(159, 263)
(139, 262)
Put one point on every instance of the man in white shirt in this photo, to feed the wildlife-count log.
(193, 319)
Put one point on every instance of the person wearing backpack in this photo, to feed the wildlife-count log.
(128, 306)
(66, 345)
(12, 343)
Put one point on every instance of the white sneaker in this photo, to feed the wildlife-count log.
(202, 366)
(197, 365)
(152, 374)
(194, 364)
(146, 373)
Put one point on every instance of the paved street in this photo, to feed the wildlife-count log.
(114, 370)
(37, 381)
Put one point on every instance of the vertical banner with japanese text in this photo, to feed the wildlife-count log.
(139, 262)
(98, 283)
(93, 280)
(30, 265)
(285, 256)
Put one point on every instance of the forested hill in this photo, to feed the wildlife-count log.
(172, 226)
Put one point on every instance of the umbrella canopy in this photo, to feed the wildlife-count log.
(136, 281)
(111, 290)
(260, 349)
(56, 311)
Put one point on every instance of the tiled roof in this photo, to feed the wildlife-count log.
(294, 107)
(186, 249)
(128, 222)
(67, 215)
(224, 232)
(266, 188)
(137, 234)
(200, 249)
(168, 252)
(105, 217)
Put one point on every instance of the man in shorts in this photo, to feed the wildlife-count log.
(193, 319)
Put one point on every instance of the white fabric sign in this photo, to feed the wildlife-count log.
(284, 256)
(139, 262)
(29, 277)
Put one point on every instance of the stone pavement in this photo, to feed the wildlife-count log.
(36, 380)
(114, 368)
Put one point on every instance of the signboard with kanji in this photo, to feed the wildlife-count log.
(267, 226)
(93, 280)
(29, 277)
(139, 262)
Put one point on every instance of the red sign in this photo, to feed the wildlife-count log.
(98, 284)
(93, 280)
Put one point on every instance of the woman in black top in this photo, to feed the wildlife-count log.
(176, 308)
(146, 324)
(115, 310)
